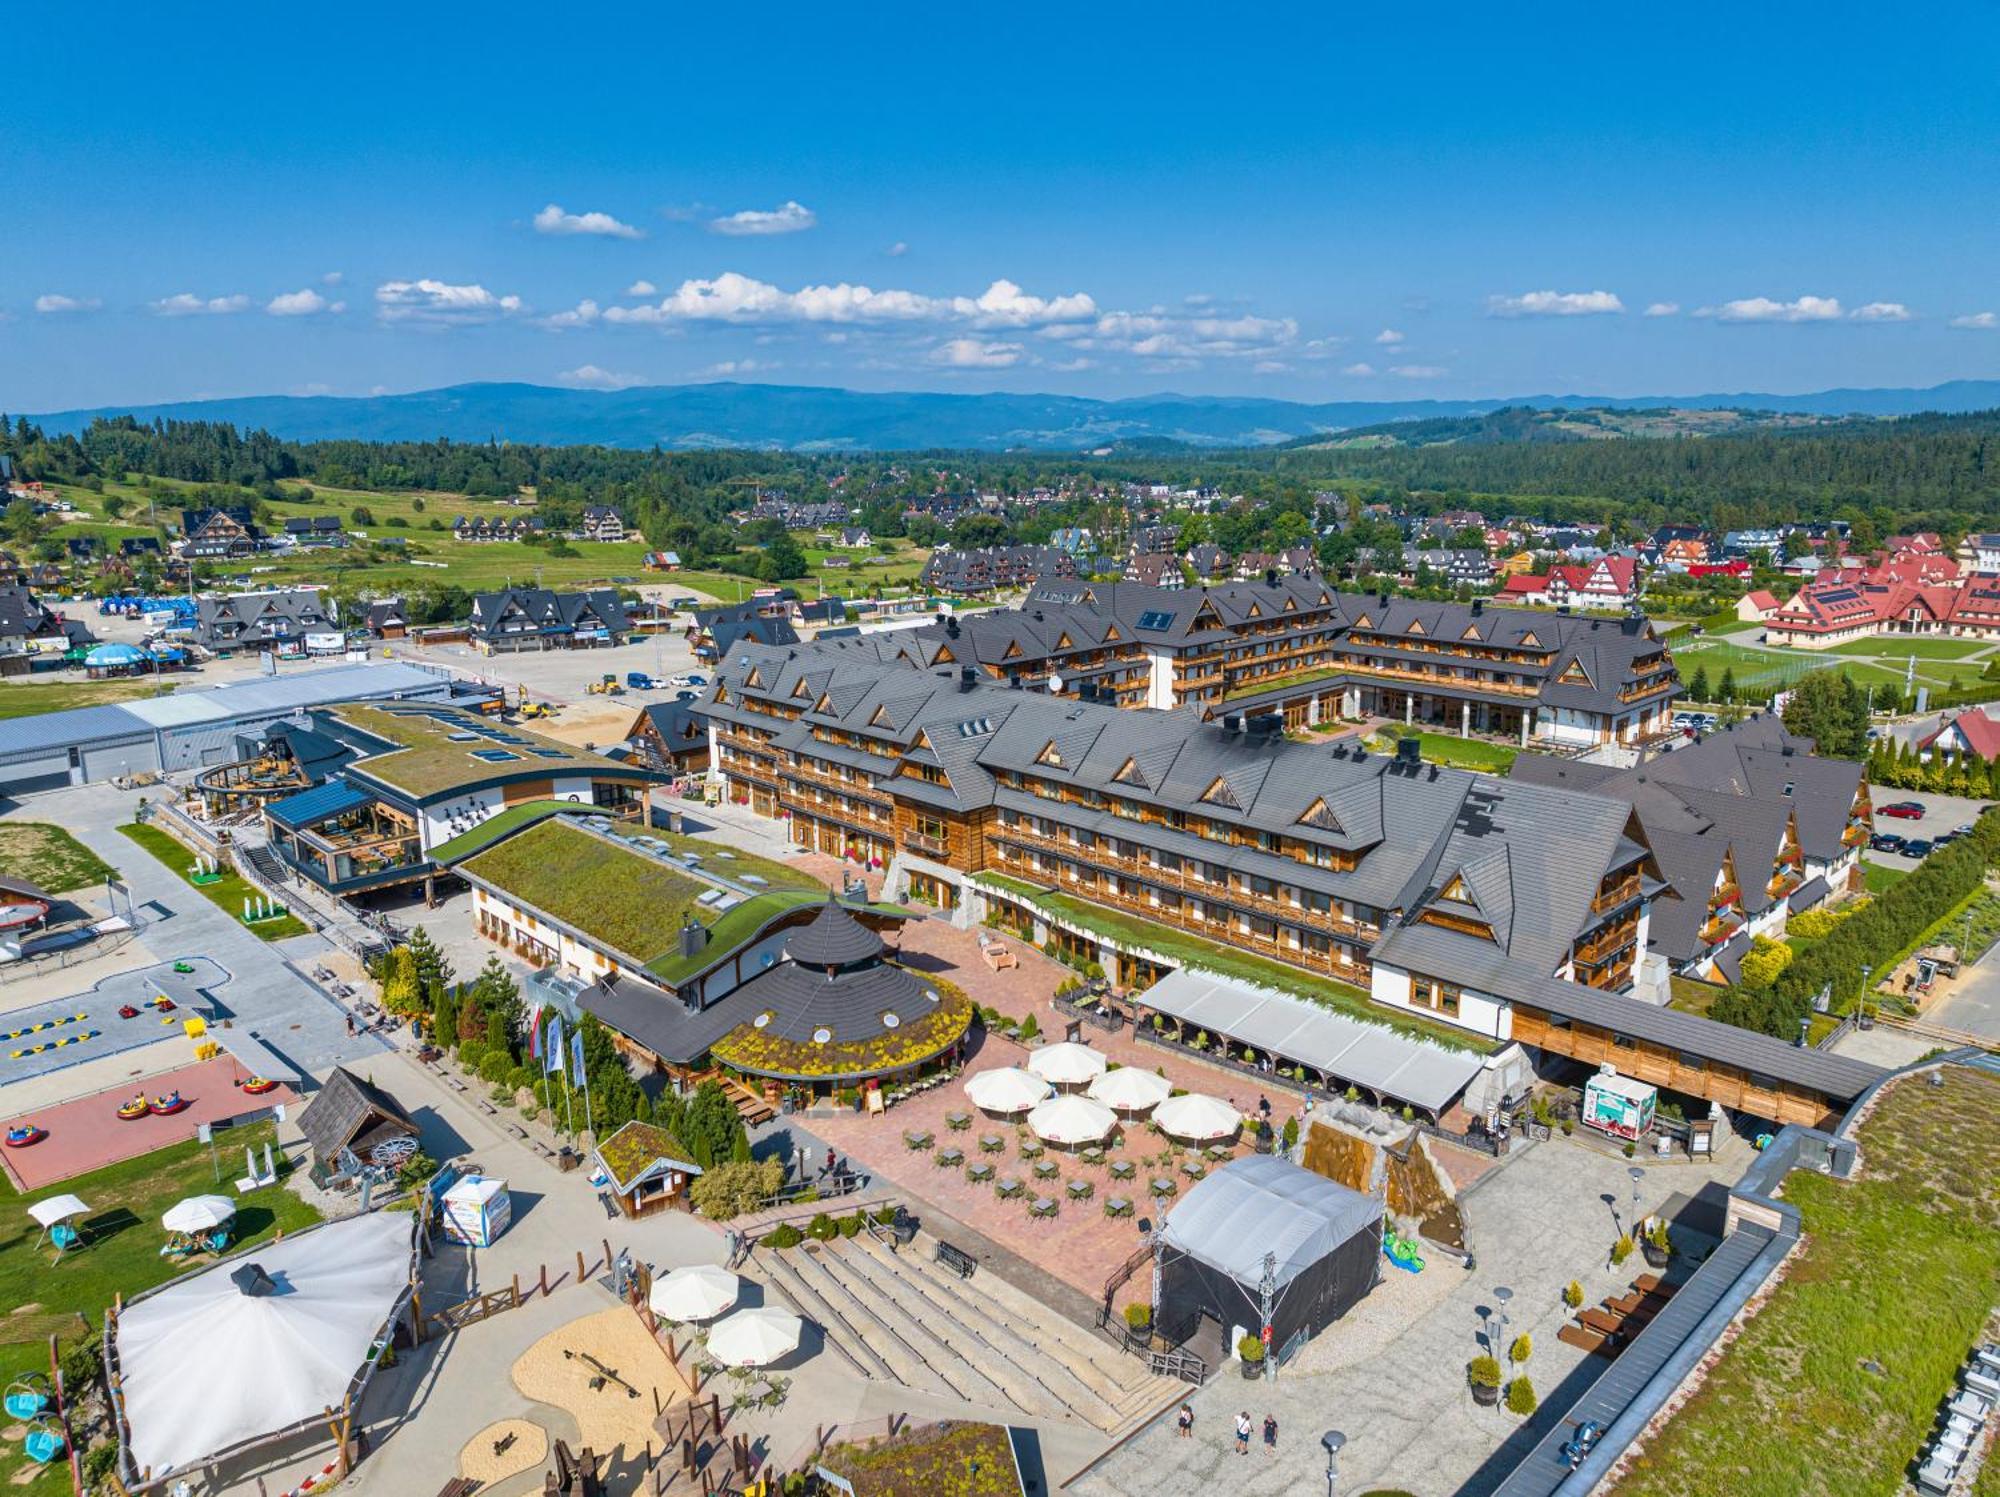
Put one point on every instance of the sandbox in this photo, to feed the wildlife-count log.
(607, 1418)
(527, 1446)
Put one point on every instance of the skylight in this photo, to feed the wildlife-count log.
(1156, 618)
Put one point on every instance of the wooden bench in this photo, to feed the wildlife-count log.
(1646, 1283)
(1602, 1321)
(1583, 1340)
(999, 958)
(518, 1131)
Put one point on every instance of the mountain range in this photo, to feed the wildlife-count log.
(811, 418)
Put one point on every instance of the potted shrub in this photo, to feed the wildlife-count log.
(1482, 1374)
(1138, 1324)
(1867, 1016)
(1522, 1349)
(1656, 1245)
(1620, 1251)
(1521, 1397)
(1573, 1295)
(1251, 1350)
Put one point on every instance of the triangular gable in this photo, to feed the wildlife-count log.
(944, 656)
(1013, 650)
(1111, 633)
(1454, 888)
(1362, 621)
(1417, 626)
(1575, 671)
(1256, 611)
(880, 718)
(1219, 794)
(1129, 774)
(1530, 640)
(755, 677)
(1205, 614)
(1471, 632)
(1320, 815)
(1050, 755)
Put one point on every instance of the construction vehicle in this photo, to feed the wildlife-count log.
(532, 711)
(608, 687)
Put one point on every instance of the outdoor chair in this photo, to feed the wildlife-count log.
(1080, 1190)
(66, 1238)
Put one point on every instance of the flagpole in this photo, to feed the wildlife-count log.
(583, 1072)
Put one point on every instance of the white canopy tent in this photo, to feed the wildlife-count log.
(227, 1356)
(1129, 1089)
(1197, 1117)
(56, 1209)
(1072, 1120)
(1009, 1089)
(1067, 1064)
(198, 1214)
(695, 1291)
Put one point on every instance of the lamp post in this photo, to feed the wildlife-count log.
(1637, 1175)
(1331, 1442)
(1502, 1294)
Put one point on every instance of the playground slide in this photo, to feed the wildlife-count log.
(1402, 1252)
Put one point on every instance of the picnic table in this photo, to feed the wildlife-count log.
(1043, 1206)
(1047, 1169)
(1163, 1185)
(991, 1143)
(1010, 1186)
(1117, 1206)
(1123, 1169)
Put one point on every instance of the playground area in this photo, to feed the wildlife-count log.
(88, 1133)
(613, 1416)
(122, 1012)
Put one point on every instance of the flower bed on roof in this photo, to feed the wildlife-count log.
(850, 1057)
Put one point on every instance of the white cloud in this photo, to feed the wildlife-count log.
(1270, 366)
(583, 314)
(732, 297)
(729, 368)
(1978, 321)
(1004, 304)
(552, 220)
(1554, 304)
(333, 278)
(1663, 309)
(1882, 311)
(787, 218)
(440, 304)
(1418, 371)
(590, 377)
(1158, 335)
(1388, 337)
(303, 303)
(1763, 309)
(897, 250)
(642, 288)
(976, 353)
(187, 304)
(1359, 370)
(52, 303)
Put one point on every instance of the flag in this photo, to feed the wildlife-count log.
(535, 1031)
(577, 1072)
(554, 1049)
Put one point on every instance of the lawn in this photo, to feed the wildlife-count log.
(121, 1252)
(1693, 996)
(1879, 878)
(1924, 647)
(1833, 1385)
(49, 857)
(729, 862)
(631, 902)
(938, 1460)
(33, 698)
(229, 891)
(1460, 753)
(1192, 951)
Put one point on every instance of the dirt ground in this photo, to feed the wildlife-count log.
(529, 1448)
(607, 1418)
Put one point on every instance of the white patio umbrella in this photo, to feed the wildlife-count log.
(754, 1338)
(1009, 1089)
(1067, 1064)
(1129, 1089)
(198, 1214)
(57, 1209)
(1197, 1117)
(1072, 1120)
(695, 1292)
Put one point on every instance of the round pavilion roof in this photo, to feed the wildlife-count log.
(834, 939)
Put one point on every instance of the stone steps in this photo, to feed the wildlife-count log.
(782, 1278)
(1033, 1361)
(892, 1343)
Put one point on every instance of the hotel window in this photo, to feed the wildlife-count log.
(1428, 992)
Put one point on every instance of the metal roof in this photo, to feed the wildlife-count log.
(317, 803)
(1263, 1204)
(1370, 1055)
(79, 727)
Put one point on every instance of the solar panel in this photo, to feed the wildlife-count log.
(552, 753)
(1156, 619)
(495, 756)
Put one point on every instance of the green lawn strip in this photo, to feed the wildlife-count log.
(1460, 753)
(1191, 951)
(1900, 647)
(631, 902)
(1281, 683)
(228, 892)
(730, 862)
(49, 857)
(1834, 1384)
(121, 1254)
(35, 698)
(1691, 995)
(502, 824)
(1879, 878)
(741, 923)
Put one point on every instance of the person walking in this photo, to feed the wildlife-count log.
(1184, 1421)
(1243, 1433)
(1270, 1434)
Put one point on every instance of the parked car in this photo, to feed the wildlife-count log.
(1902, 810)
(640, 681)
(1966, 829)
(1885, 842)
(1918, 847)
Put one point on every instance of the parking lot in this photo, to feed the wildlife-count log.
(1942, 813)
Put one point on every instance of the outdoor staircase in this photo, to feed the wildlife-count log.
(902, 1317)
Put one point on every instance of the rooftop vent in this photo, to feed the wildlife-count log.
(1270, 576)
(967, 678)
(253, 1282)
(1266, 725)
(1409, 752)
(1478, 607)
(693, 937)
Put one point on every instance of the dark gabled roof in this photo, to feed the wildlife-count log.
(350, 1113)
(833, 939)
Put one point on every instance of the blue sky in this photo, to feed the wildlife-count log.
(1314, 202)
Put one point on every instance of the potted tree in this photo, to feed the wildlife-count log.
(1656, 1245)
(1138, 1325)
(1482, 1374)
(1251, 1350)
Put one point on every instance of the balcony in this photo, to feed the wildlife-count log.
(1856, 835)
(1435, 680)
(1623, 892)
(1784, 883)
(1597, 948)
(930, 847)
(743, 767)
(1719, 929)
(820, 778)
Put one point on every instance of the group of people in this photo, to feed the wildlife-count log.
(1184, 1422)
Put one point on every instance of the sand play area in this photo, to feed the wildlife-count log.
(502, 1450)
(609, 1417)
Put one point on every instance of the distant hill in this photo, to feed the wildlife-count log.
(810, 418)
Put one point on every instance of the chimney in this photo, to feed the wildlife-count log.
(1563, 609)
(1232, 722)
(1408, 752)
(967, 678)
(1270, 576)
(694, 937)
(253, 1282)
(1634, 622)
(1478, 607)
(1266, 725)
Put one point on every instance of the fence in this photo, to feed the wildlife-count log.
(485, 1306)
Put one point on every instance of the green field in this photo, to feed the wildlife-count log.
(1834, 1383)
(229, 891)
(1460, 753)
(121, 1255)
(29, 699)
(1924, 647)
(49, 857)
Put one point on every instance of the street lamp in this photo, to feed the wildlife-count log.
(1637, 1175)
(1331, 1442)
(1502, 1294)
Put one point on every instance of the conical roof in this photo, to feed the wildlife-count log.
(834, 939)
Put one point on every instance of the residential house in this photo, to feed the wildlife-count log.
(1209, 562)
(496, 527)
(278, 620)
(314, 530)
(668, 736)
(602, 523)
(856, 538)
(1973, 731)
(218, 534)
(761, 621)
(386, 618)
(993, 568)
(1757, 607)
(1980, 553)
(1156, 569)
(539, 618)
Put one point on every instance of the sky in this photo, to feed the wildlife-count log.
(1315, 202)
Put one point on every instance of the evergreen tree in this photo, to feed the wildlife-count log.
(433, 968)
(1698, 685)
(1727, 691)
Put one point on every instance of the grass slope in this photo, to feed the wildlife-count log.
(32, 699)
(1900, 1267)
(229, 891)
(49, 857)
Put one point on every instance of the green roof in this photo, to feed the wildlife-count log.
(428, 760)
(637, 1147)
(742, 923)
(502, 824)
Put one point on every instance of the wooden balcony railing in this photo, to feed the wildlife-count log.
(1436, 680)
(1624, 891)
(1605, 942)
(933, 847)
(799, 770)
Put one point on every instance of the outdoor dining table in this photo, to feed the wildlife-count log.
(917, 1138)
(1043, 1206)
(1219, 1152)
(991, 1143)
(1009, 1186)
(1093, 1156)
(1163, 1185)
(1123, 1169)
(1047, 1169)
(1193, 1169)
(958, 1121)
(950, 1158)
(1079, 1189)
(980, 1173)
(1030, 1149)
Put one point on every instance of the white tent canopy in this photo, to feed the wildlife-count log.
(694, 1292)
(754, 1338)
(1009, 1089)
(207, 1367)
(57, 1209)
(1072, 1120)
(1067, 1064)
(198, 1214)
(1197, 1117)
(1129, 1089)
